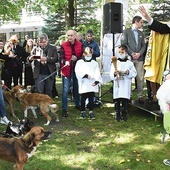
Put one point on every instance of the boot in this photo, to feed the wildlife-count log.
(117, 111)
(118, 118)
(124, 118)
(91, 115)
(83, 114)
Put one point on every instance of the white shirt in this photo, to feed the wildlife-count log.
(90, 68)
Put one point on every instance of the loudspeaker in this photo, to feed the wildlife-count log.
(112, 18)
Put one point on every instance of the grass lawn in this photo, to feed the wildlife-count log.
(100, 144)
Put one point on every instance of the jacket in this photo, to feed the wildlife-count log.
(66, 52)
(128, 39)
(159, 27)
(52, 58)
(94, 46)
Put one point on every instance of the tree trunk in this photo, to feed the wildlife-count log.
(69, 15)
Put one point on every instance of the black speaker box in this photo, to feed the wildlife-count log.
(112, 18)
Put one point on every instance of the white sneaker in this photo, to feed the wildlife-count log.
(5, 120)
(2, 122)
(166, 162)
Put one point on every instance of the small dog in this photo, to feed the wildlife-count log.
(20, 129)
(19, 150)
(44, 102)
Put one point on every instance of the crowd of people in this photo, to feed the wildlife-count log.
(39, 62)
(80, 71)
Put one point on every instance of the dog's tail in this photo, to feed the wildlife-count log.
(53, 108)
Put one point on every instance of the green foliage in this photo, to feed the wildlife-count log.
(10, 10)
(161, 10)
(82, 19)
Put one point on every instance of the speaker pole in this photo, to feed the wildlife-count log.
(113, 50)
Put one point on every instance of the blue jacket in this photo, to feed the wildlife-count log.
(94, 46)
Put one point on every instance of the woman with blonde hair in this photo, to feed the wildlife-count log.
(28, 73)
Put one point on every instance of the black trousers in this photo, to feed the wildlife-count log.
(84, 96)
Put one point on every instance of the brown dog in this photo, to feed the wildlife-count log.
(10, 99)
(19, 150)
(44, 102)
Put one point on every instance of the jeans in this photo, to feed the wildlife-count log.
(76, 95)
(2, 103)
(66, 82)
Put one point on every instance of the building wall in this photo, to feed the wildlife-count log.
(31, 24)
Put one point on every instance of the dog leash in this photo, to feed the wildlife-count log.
(6, 87)
(52, 74)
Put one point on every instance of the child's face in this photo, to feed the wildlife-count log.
(121, 51)
(88, 55)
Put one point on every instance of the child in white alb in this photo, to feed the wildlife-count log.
(122, 71)
(88, 75)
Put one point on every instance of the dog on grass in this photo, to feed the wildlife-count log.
(20, 129)
(44, 102)
(10, 99)
(18, 150)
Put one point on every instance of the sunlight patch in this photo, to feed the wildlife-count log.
(125, 138)
(109, 105)
(150, 147)
(71, 132)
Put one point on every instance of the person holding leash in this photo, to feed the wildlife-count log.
(71, 50)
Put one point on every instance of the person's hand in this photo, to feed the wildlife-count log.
(11, 54)
(43, 59)
(116, 72)
(144, 13)
(89, 77)
(127, 72)
(67, 63)
(136, 56)
(73, 58)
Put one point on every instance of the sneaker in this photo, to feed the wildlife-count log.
(91, 115)
(166, 162)
(82, 114)
(64, 113)
(4, 120)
